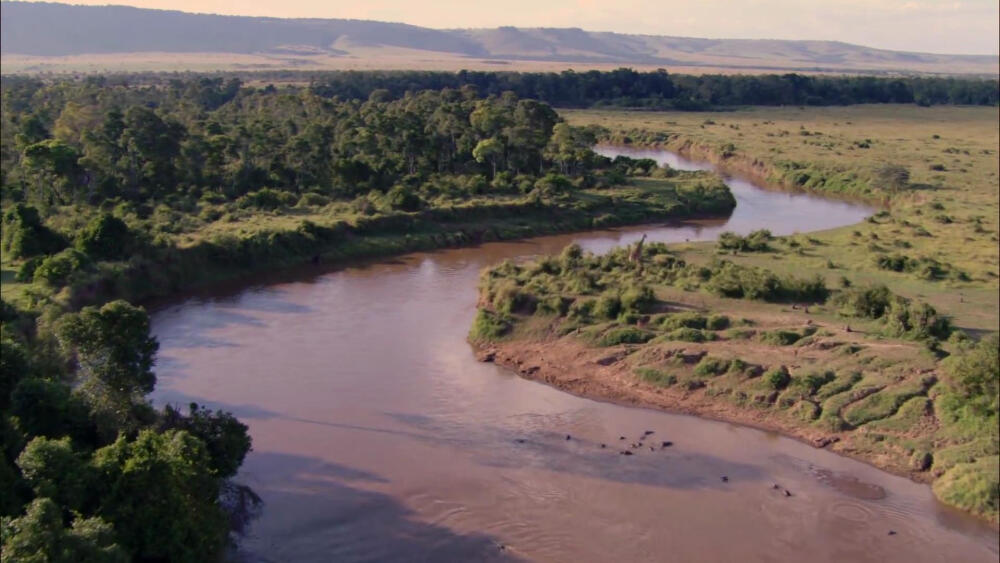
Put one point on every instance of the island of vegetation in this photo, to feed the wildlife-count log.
(877, 340)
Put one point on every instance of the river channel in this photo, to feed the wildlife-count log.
(378, 436)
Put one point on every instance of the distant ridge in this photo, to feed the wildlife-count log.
(61, 30)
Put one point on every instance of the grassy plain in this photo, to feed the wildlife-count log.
(950, 212)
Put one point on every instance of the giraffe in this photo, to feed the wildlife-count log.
(635, 255)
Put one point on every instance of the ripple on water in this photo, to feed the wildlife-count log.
(851, 511)
(848, 484)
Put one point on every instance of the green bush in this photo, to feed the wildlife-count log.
(656, 376)
(625, 335)
(709, 367)
(777, 378)
(553, 305)
(780, 337)
(717, 322)
(686, 335)
(757, 241)
(266, 199)
(608, 306)
(106, 237)
(25, 236)
(489, 326)
(813, 381)
(63, 268)
(683, 320)
(637, 299)
(974, 371)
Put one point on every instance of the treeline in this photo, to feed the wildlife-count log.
(661, 90)
(91, 140)
(623, 87)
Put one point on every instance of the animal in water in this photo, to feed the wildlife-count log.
(568, 437)
(725, 479)
(604, 445)
(626, 452)
(519, 440)
(666, 444)
(635, 255)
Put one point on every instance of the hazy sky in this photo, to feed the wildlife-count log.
(939, 26)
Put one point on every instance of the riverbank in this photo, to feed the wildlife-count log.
(857, 370)
(238, 247)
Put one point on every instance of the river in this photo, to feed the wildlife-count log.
(378, 437)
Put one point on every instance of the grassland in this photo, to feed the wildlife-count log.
(948, 212)
(794, 352)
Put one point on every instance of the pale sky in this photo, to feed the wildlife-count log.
(936, 26)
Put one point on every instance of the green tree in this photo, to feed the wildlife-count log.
(55, 470)
(115, 355)
(893, 176)
(488, 150)
(975, 373)
(226, 439)
(39, 536)
(25, 236)
(105, 237)
(160, 492)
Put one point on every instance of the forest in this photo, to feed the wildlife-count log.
(112, 193)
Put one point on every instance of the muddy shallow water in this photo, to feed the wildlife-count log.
(378, 437)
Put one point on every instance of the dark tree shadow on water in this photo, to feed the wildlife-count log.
(318, 511)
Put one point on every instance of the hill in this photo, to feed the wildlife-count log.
(50, 36)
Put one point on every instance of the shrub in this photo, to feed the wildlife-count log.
(637, 299)
(553, 305)
(777, 378)
(60, 269)
(608, 306)
(709, 367)
(582, 309)
(25, 236)
(974, 371)
(312, 200)
(625, 335)
(757, 241)
(509, 298)
(780, 337)
(813, 381)
(656, 376)
(489, 326)
(266, 199)
(686, 335)
(684, 320)
(404, 199)
(106, 237)
(717, 322)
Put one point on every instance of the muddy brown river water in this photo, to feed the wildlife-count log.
(378, 437)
